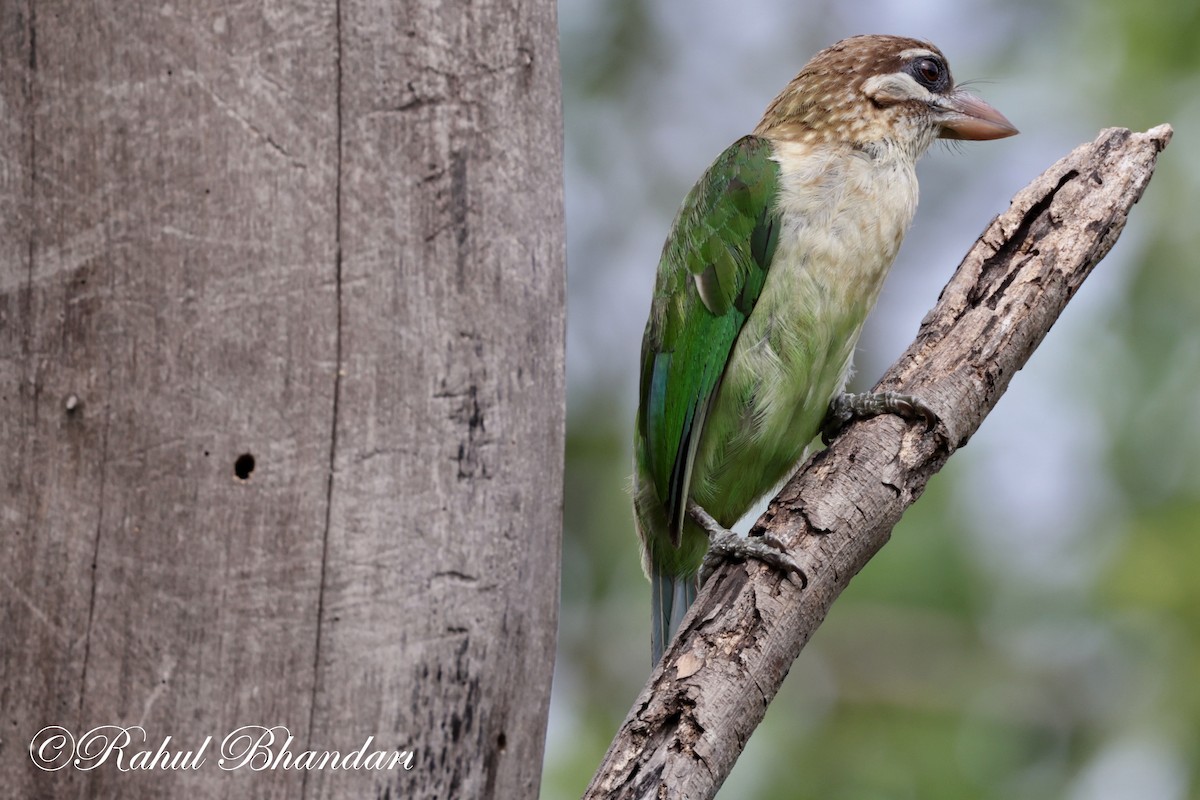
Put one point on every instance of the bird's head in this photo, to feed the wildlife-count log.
(869, 90)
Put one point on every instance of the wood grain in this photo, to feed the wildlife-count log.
(281, 348)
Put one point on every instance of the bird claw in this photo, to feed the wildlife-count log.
(725, 545)
(847, 407)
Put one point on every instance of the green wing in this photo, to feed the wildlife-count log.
(712, 270)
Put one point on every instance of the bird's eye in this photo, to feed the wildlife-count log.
(929, 72)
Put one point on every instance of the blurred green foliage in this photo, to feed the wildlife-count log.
(1021, 648)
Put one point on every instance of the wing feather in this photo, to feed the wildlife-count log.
(711, 273)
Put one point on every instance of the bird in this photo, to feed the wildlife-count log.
(772, 264)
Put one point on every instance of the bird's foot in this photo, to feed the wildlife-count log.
(725, 545)
(847, 407)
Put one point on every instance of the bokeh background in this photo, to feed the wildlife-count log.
(1033, 628)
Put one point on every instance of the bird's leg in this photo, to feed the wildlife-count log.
(847, 407)
(725, 545)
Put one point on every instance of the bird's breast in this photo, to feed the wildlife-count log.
(844, 212)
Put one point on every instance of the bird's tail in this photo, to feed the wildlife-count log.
(670, 596)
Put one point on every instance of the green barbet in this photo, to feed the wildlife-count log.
(770, 269)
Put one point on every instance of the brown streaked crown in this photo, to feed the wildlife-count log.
(826, 101)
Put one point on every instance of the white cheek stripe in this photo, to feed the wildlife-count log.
(895, 86)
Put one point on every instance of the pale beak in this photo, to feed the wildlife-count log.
(965, 116)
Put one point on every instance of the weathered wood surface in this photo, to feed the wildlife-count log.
(327, 235)
(696, 713)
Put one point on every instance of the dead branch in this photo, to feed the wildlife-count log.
(694, 716)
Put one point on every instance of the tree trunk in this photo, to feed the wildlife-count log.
(281, 351)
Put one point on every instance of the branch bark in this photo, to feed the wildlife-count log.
(694, 716)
